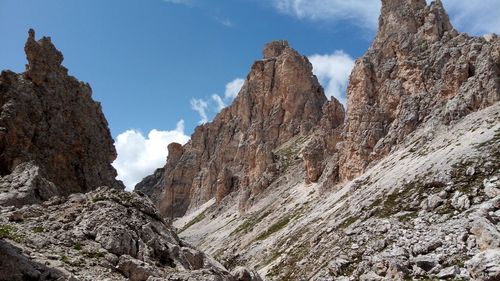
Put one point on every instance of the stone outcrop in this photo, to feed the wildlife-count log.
(280, 100)
(106, 234)
(323, 146)
(54, 139)
(418, 70)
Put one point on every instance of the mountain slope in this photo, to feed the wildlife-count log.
(429, 210)
(406, 187)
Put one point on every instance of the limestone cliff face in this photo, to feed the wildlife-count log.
(54, 139)
(418, 70)
(280, 99)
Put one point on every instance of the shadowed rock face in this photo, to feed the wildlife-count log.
(418, 70)
(281, 99)
(52, 129)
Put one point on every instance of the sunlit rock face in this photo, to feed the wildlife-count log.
(281, 99)
(419, 70)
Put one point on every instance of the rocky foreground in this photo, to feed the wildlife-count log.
(106, 234)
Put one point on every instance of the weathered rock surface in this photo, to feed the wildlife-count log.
(418, 72)
(372, 228)
(152, 185)
(281, 100)
(54, 139)
(106, 233)
(405, 188)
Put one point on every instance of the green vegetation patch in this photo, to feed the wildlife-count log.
(194, 221)
(249, 223)
(399, 201)
(347, 222)
(287, 154)
(99, 199)
(65, 259)
(275, 228)
(94, 254)
(286, 269)
(77, 246)
(38, 229)
(10, 232)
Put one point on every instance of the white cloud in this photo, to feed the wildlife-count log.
(216, 103)
(476, 17)
(200, 106)
(218, 100)
(361, 12)
(333, 72)
(139, 156)
(233, 88)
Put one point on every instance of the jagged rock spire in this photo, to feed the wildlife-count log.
(274, 49)
(44, 60)
(281, 99)
(54, 139)
(412, 16)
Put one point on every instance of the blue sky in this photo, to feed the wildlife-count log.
(149, 62)
(147, 59)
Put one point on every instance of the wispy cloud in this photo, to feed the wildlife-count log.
(224, 21)
(218, 100)
(200, 106)
(139, 156)
(216, 103)
(360, 12)
(476, 17)
(233, 88)
(333, 72)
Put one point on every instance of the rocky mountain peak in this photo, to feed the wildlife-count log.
(411, 16)
(275, 49)
(236, 152)
(44, 60)
(418, 68)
